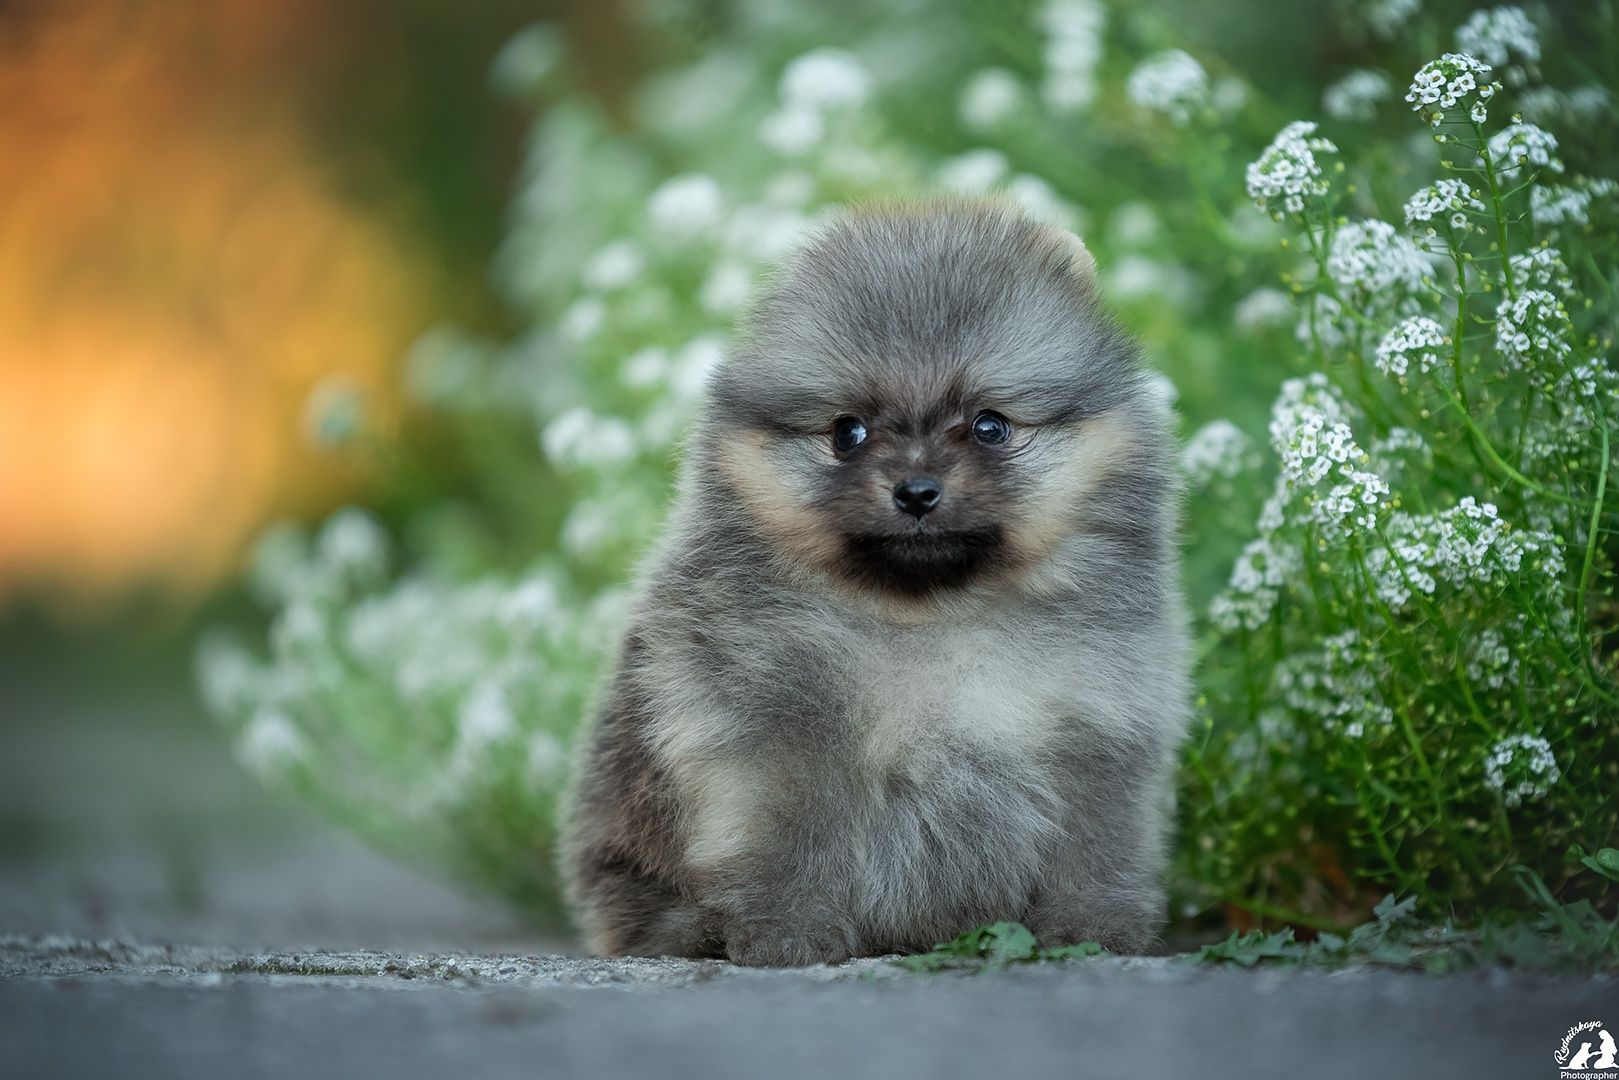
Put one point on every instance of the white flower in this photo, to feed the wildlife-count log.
(1264, 306)
(990, 98)
(1357, 95)
(726, 288)
(1218, 448)
(353, 545)
(686, 206)
(825, 79)
(1288, 171)
(1370, 259)
(694, 363)
(1417, 340)
(1540, 268)
(1521, 144)
(792, 132)
(1039, 200)
(270, 743)
(1257, 578)
(226, 674)
(1447, 202)
(1387, 17)
(1455, 82)
(546, 762)
(614, 266)
(1073, 49)
(581, 439)
(975, 171)
(644, 368)
(1522, 768)
(1555, 204)
(583, 318)
(1172, 83)
(1532, 328)
(1490, 661)
(528, 60)
(1500, 36)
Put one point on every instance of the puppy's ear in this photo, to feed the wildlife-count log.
(1081, 263)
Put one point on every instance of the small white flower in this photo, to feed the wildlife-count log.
(1533, 328)
(1455, 83)
(1172, 83)
(1288, 173)
(1370, 259)
(1417, 340)
(686, 206)
(726, 289)
(1387, 17)
(270, 743)
(989, 99)
(614, 266)
(1447, 203)
(583, 318)
(1501, 36)
(1073, 49)
(1522, 768)
(792, 132)
(825, 79)
(1524, 144)
(1218, 448)
(1355, 97)
(644, 368)
(1556, 204)
(580, 438)
(975, 171)
(1263, 307)
(1540, 268)
(353, 545)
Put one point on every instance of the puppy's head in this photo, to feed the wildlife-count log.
(926, 399)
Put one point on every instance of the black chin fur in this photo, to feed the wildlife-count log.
(918, 563)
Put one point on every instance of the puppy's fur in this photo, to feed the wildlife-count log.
(839, 730)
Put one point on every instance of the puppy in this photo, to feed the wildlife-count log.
(911, 655)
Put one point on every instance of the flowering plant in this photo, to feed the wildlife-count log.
(1407, 605)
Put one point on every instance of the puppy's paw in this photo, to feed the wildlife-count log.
(1128, 929)
(782, 943)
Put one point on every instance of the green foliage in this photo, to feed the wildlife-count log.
(1402, 574)
(995, 946)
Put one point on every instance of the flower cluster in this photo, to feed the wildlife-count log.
(1356, 96)
(1416, 340)
(1073, 51)
(1522, 768)
(1172, 83)
(1524, 144)
(1568, 205)
(1217, 449)
(814, 87)
(1370, 259)
(1453, 83)
(1503, 37)
(1532, 329)
(1448, 202)
(1337, 686)
(1288, 173)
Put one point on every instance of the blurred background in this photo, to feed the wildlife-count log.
(454, 271)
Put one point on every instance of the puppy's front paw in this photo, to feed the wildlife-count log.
(781, 943)
(1124, 928)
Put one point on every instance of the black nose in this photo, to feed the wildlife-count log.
(917, 495)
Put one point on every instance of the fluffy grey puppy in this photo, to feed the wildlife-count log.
(911, 655)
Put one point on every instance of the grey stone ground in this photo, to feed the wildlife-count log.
(160, 916)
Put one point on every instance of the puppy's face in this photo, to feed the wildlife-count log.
(926, 400)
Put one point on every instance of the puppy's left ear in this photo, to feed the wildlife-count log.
(1081, 263)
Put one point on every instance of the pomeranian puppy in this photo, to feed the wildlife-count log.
(911, 655)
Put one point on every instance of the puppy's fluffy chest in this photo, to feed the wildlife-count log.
(920, 696)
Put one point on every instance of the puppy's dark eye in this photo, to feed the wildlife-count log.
(847, 433)
(991, 428)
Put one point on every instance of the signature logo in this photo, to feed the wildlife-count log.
(1588, 1052)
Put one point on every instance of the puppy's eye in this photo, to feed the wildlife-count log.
(991, 428)
(847, 433)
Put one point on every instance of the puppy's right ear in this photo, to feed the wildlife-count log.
(1081, 263)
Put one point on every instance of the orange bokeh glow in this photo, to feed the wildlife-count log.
(176, 274)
